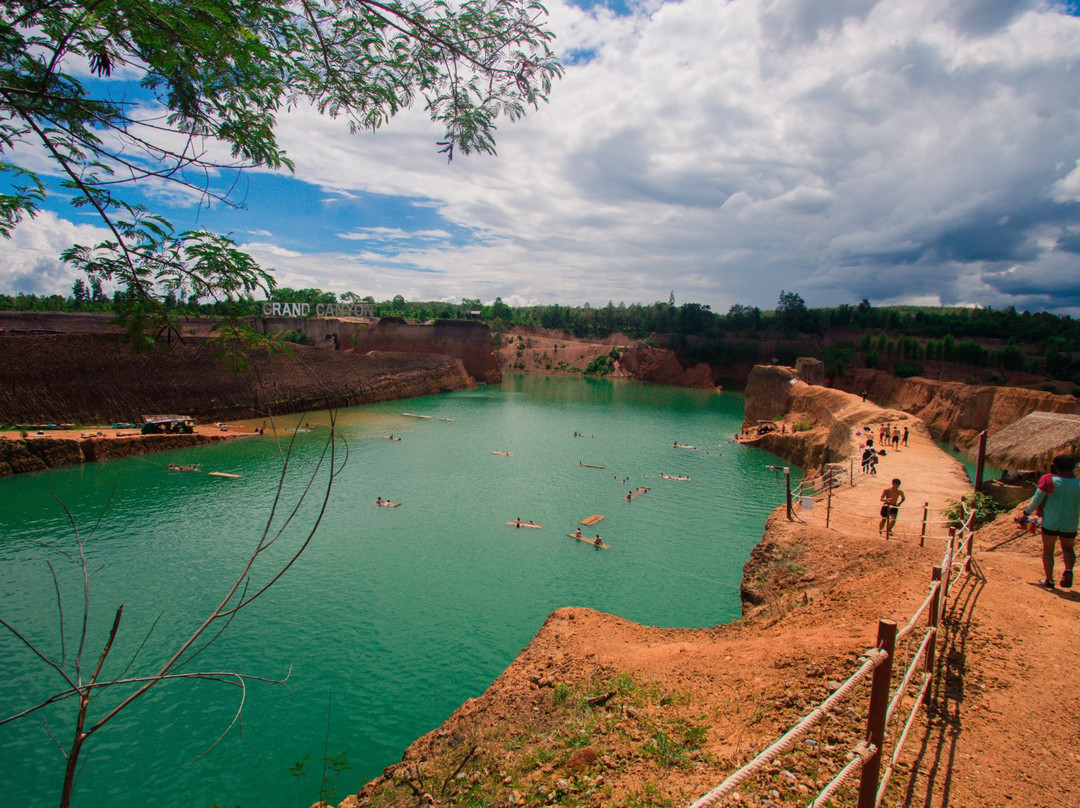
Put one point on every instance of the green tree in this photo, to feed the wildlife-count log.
(792, 313)
(220, 71)
(80, 293)
(501, 311)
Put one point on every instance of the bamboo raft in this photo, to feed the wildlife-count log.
(590, 541)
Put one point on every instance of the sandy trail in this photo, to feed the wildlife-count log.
(1006, 724)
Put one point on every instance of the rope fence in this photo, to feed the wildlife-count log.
(807, 497)
(885, 703)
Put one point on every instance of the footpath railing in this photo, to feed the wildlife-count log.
(885, 703)
(815, 494)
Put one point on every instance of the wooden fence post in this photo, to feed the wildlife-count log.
(925, 513)
(787, 481)
(933, 620)
(980, 461)
(828, 504)
(875, 721)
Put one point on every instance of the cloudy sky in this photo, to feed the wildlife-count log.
(905, 151)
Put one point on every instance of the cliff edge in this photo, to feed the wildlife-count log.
(597, 710)
(95, 379)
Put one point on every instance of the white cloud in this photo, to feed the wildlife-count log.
(30, 264)
(1067, 189)
(731, 150)
(392, 234)
(900, 150)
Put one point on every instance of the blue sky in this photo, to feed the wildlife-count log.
(907, 152)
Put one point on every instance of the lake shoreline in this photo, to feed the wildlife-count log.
(44, 450)
(816, 594)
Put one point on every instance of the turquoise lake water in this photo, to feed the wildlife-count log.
(393, 616)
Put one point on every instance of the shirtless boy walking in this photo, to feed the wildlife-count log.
(891, 498)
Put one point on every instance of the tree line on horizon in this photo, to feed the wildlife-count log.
(893, 337)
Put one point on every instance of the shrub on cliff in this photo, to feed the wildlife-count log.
(986, 510)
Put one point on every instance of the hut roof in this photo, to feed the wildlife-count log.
(1032, 442)
(166, 419)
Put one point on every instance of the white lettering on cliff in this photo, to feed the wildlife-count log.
(296, 309)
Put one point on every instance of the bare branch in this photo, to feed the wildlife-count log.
(37, 652)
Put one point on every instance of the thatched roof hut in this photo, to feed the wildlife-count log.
(1032, 442)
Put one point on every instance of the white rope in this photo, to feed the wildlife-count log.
(899, 746)
(902, 689)
(902, 633)
(874, 657)
(862, 753)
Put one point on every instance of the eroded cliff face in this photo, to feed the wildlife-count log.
(39, 454)
(95, 379)
(661, 366)
(953, 411)
(465, 340)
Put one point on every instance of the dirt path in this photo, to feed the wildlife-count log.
(1006, 727)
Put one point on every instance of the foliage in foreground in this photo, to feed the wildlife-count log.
(186, 95)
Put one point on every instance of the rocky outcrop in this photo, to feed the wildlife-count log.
(833, 417)
(661, 366)
(463, 339)
(808, 450)
(810, 370)
(466, 340)
(953, 411)
(39, 454)
(768, 392)
(95, 379)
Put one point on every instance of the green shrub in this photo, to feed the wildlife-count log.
(1048, 387)
(986, 510)
(905, 370)
(600, 365)
(297, 336)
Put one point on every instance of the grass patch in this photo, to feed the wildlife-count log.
(582, 730)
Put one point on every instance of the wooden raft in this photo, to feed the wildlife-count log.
(589, 541)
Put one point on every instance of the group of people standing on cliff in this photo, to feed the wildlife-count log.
(891, 435)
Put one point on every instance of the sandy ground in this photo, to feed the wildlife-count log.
(108, 433)
(677, 710)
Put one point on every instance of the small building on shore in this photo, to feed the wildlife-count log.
(167, 425)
